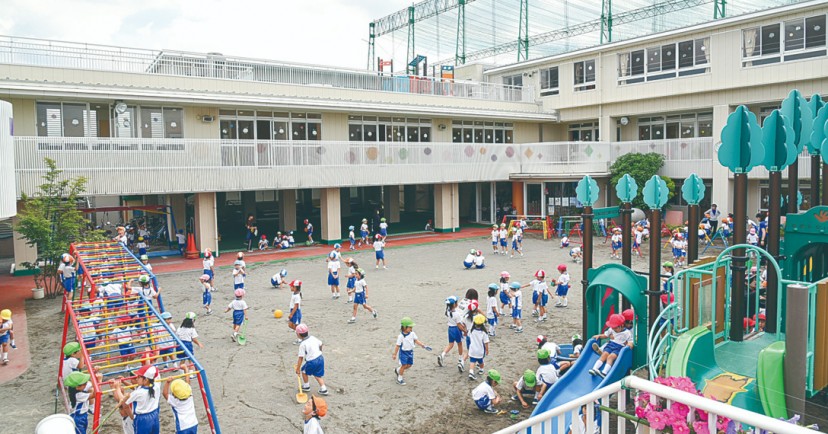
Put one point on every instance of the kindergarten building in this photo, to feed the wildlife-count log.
(216, 138)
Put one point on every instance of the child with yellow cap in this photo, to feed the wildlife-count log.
(478, 345)
(313, 410)
(6, 334)
(181, 401)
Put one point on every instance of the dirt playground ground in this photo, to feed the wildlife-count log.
(254, 385)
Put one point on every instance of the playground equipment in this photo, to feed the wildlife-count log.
(533, 224)
(94, 320)
(158, 219)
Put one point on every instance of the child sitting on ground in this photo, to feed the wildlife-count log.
(469, 261)
(484, 395)
(263, 244)
(479, 260)
(547, 373)
(576, 253)
(620, 336)
(564, 241)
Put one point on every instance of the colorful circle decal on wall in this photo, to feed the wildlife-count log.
(350, 157)
(469, 151)
(371, 153)
(494, 157)
(427, 151)
(510, 152)
(403, 154)
(482, 151)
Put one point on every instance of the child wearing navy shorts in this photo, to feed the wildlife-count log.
(80, 395)
(405, 348)
(383, 229)
(456, 330)
(491, 308)
(207, 264)
(166, 349)
(67, 272)
(6, 333)
(295, 315)
(333, 273)
(563, 286)
(188, 335)
(469, 261)
(505, 300)
(180, 397)
(206, 294)
(619, 336)
(379, 246)
(501, 236)
(239, 308)
(238, 275)
(361, 296)
(145, 399)
(478, 345)
(351, 238)
(517, 305)
(311, 363)
(495, 236)
(309, 230)
(484, 395)
(616, 241)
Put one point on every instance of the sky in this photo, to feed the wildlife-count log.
(327, 32)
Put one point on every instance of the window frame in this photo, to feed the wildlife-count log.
(640, 61)
(786, 50)
(546, 81)
(586, 83)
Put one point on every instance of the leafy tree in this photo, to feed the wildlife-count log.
(641, 167)
(50, 221)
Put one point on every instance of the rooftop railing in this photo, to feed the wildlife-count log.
(60, 54)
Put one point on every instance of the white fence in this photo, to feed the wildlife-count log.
(555, 420)
(148, 166)
(59, 54)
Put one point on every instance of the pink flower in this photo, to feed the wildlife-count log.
(680, 410)
(700, 427)
(657, 420)
(723, 422)
(642, 412)
(643, 398)
(670, 416)
(701, 415)
(680, 428)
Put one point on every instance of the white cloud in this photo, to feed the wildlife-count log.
(328, 32)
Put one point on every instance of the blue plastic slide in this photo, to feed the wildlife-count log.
(578, 382)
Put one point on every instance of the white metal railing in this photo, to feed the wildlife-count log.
(555, 420)
(691, 149)
(60, 54)
(162, 162)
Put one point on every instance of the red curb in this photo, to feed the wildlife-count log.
(14, 291)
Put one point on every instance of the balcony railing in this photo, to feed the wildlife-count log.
(59, 54)
(168, 165)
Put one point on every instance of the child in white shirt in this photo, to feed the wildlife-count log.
(263, 244)
(619, 336)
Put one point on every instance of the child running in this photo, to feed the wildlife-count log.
(379, 246)
(492, 312)
(456, 330)
(239, 308)
(405, 348)
(295, 315)
(361, 296)
(313, 410)
(484, 395)
(517, 241)
(180, 397)
(206, 292)
(517, 303)
(563, 286)
(6, 334)
(207, 264)
(351, 275)
(188, 335)
(310, 362)
(478, 345)
(144, 400)
(619, 336)
(363, 233)
(351, 237)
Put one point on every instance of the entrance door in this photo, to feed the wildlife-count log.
(533, 199)
(485, 203)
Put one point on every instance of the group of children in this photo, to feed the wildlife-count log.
(365, 234)
(280, 241)
(501, 235)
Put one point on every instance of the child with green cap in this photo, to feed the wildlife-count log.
(526, 386)
(71, 361)
(546, 374)
(484, 395)
(80, 394)
(405, 347)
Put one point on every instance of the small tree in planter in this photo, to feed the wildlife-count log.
(50, 221)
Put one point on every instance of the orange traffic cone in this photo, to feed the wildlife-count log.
(191, 252)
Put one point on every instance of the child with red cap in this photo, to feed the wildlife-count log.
(239, 308)
(313, 410)
(144, 400)
(619, 337)
(629, 318)
(563, 286)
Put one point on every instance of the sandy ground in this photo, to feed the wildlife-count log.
(254, 386)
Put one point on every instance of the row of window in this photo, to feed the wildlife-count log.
(388, 129)
(482, 132)
(684, 126)
(64, 119)
(266, 125)
(800, 38)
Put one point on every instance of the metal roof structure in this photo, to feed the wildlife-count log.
(498, 32)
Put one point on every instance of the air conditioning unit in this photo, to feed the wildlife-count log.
(207, 119)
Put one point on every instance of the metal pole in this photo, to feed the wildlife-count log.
(816, 164)
(586, 227)
(737, 291)
(793, 186)
(626, 234)
(692, 238)
(655, 266)
(774, 219)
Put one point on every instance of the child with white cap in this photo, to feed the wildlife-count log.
(144, 400)
(361, 296)
(469, 261)
(351, 238)
(207, 264)
(179, 395)
(311, 363)
(188, 335)
(456, 330)
(333, 271)
(295, 315)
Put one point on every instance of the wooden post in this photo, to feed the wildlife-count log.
(626, 234)
(774, 219)
(793, 187)
(815, 184)
(692, 237)
(655, 266)
(737, 288)
(586, 218)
